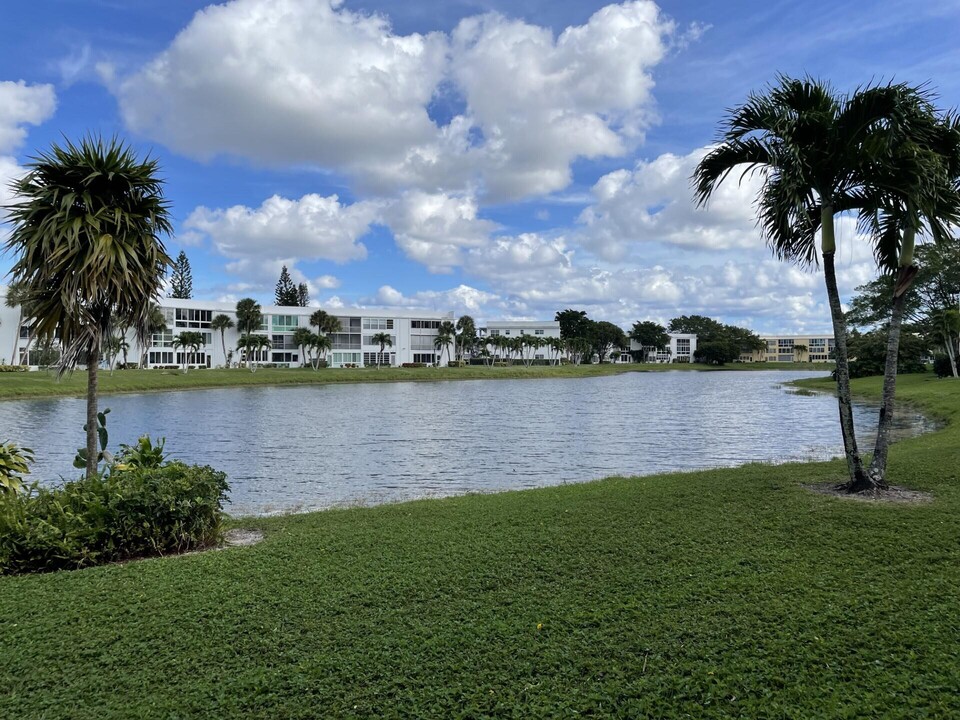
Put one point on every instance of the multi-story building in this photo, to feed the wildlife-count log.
(516, 328)
(793, 348)
(681, 349)
(411, 331)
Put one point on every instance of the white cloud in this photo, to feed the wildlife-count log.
(287, 81)
(434, 228)
(20, 105)
(326, 282)
(310, 82)
(462, 299)
(654, 203)
(313, 227)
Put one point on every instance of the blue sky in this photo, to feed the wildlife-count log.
(501, 159)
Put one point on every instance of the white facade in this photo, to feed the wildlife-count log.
(681, 349)
(412, 332)
(543, 329)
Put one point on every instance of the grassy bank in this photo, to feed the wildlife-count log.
(45, 383)
(728, 593)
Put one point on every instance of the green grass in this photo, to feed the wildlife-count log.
(728, 593)
(45, 384)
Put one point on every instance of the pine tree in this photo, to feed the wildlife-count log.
(303, 295)
(286, 293)
(181, 280)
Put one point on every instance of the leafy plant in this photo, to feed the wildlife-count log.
(14, 464)
(142, 455)
(134, 512)
(80, 461)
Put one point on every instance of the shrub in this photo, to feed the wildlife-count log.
(457, 363)
(941, 366)
(12, 368)
(134, 512)
(14, 464)
(413, 365)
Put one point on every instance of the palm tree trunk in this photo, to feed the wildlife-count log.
(93, 360)
(223, 344)
(14, 360)
(951, 356)
(859, 480)
(878, 465)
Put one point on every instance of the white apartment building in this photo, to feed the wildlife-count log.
(793, 348)
(515, 328)
(681, 349)
(411, 331)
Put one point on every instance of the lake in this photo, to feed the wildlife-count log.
(301, 448)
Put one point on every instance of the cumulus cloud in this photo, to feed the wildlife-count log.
(287, 81)
(21, 105)
(462, 299)
(434, 228)
(313, 227)
(654, 203)
(308, 82)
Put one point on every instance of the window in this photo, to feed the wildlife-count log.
(24, 332)
(189, 318)
(388, 358)
(345, 341)
(378, 323)
(425, 324)
(506, 332)
(818, 343)
(422, 342)
(784, 344)
(345, 358)
(284, 323)
(162, 339)
(429, 358)
(284, 357)
(538, 332)
(160, 358)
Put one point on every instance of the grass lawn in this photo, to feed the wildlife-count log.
(45, 384)
(727, 593)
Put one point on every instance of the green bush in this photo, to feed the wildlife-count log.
(941, 366)
(12, 368)
(14, 464)
(129, 513)
(457, 363)
(413, 365)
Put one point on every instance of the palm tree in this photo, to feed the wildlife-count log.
(466, 333)
(222, 323)
(440, 343)
(156, 323)
(822, 155)
(325, 322)
(249, 321)
(252, 344)
(111, 348)
(556, 344)
(322, 344)
(87, 226)
(799, 350)
(303, 339)
(15, 300)
(383, 340)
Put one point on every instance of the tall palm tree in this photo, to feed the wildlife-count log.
(249, 321)
(383, 340)
(87, 226)
(253, 344)
(322, 344)
(325, 322)
(821, 155)
(222, 323)
(187, 340)
(440, 343)
(466, 330)
(933, 155)
(156, 323)
(303, 339)
(15, 300)
(799, 350)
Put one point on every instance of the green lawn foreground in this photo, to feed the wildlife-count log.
(20, 385)
(730, 593)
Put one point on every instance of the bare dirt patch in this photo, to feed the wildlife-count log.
(239, 537)
(894, 494)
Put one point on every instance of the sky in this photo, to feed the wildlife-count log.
(500, 159)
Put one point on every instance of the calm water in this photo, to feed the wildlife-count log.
(313, 447)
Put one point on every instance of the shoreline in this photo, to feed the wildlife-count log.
(42, 384)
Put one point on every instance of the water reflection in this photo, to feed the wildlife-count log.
(319, 446)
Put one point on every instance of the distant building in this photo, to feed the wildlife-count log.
(681, 349)
(793, 348)
(412, 332)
